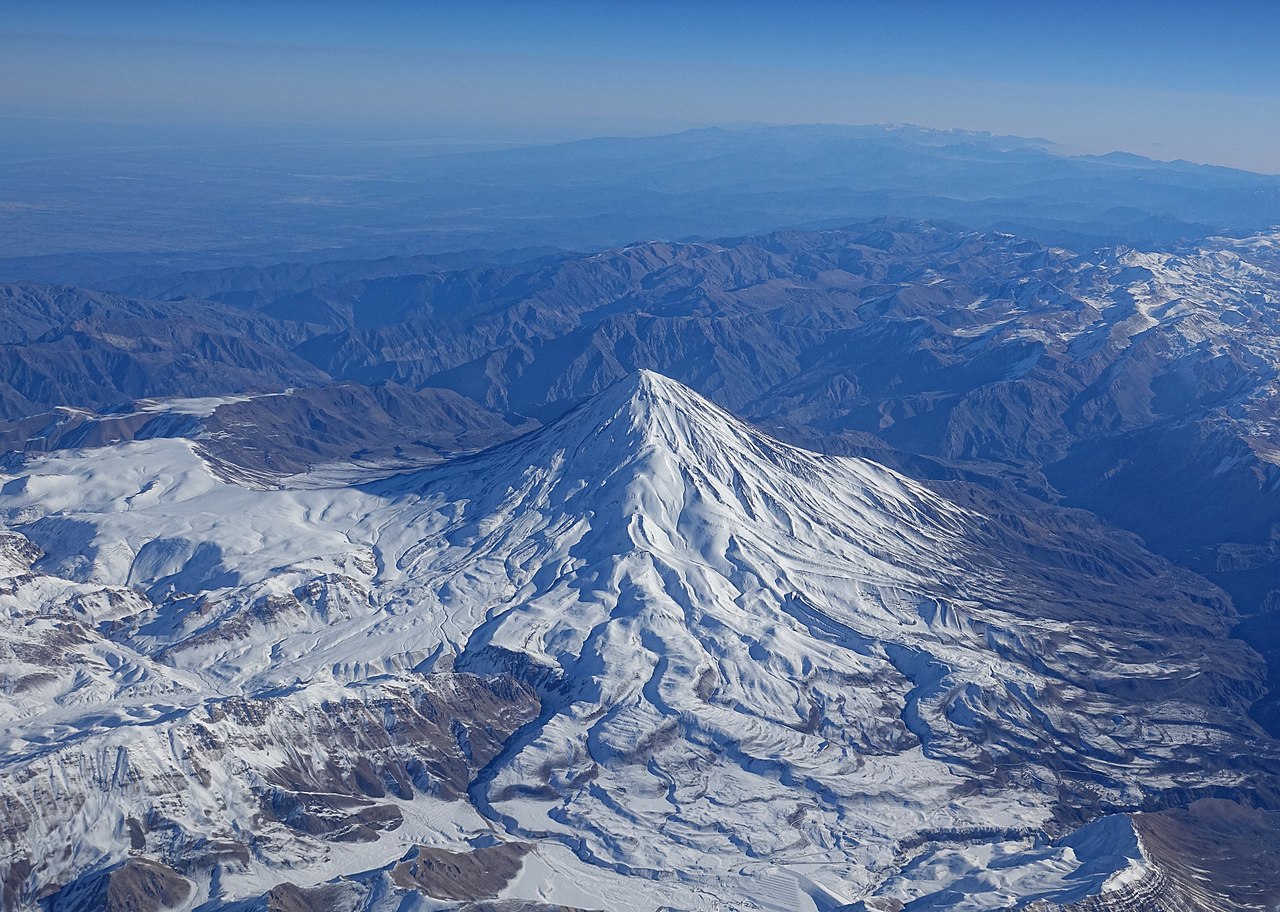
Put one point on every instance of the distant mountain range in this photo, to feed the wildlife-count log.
(179, 209)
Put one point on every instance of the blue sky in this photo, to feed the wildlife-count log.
(1172, 80)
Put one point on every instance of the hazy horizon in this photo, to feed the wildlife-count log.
(59, 135)
(1168, 82)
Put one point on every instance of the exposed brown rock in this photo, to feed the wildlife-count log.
(325, 898)
(516, 905)
(1221, 854)
(465, 876)
(137, 885)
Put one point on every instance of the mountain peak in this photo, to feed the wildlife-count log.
(652, 465)
(648, 384)
(646, 388)
(642, 409)
(648, 378)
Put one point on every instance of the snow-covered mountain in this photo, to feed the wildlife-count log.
(1133, 383)
(643, 657)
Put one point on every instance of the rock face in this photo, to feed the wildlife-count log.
(645, 656)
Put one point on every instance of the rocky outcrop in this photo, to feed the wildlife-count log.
(135, 885)
(478, 874)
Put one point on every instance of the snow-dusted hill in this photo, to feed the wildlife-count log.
(662, 658)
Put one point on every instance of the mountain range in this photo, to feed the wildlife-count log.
(1136, 384)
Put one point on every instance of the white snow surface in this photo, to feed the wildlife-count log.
(770, 679)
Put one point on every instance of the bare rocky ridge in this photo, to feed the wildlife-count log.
(1218, 854)
(476, 874)
(136, 885)
(1213, 856)
(68, 346)
(273, 434)
(423, 872)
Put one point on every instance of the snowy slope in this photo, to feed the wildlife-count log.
(759, 672)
